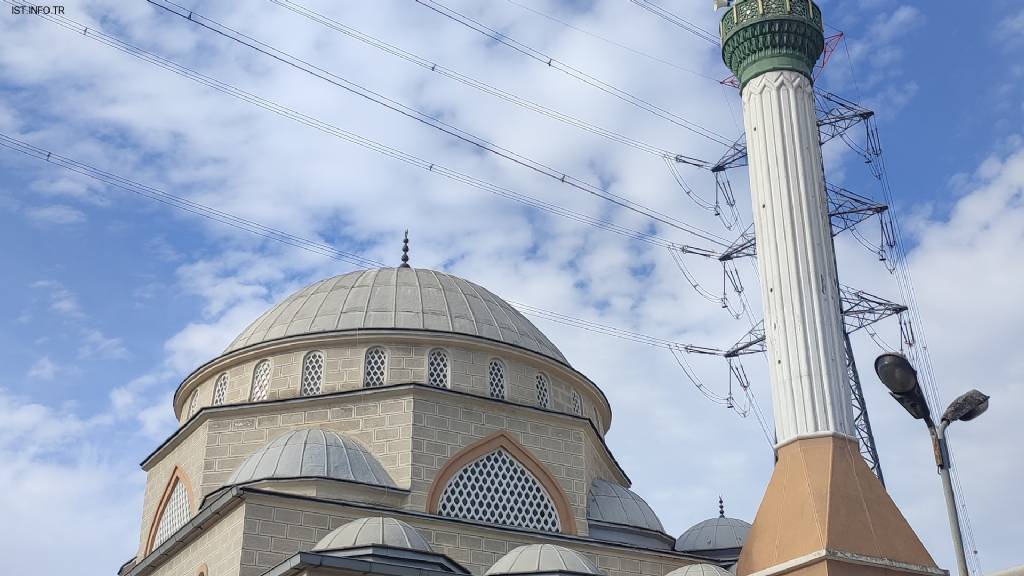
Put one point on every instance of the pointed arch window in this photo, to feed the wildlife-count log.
(543, 391)
(496, 379)
(220, 389)
(577, 403)
(192, 404)
(260, 381)
(173, 512)
(438, 369)
(312, 373)
(499, 490)
(375, 367)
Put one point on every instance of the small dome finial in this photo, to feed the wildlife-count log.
(405, 251)
(721, 508)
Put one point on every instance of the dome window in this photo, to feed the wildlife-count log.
(496, 379)
(192, 404)
(497, 489)
(438, 369)
(577, 403)
(220, 389)
(260, 381)
(375, 368)
(543, 391)
(312, 373)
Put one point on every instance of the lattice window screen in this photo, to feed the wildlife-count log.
(496, 378)
(577, 403)
(312, 373)
(260, 381)
(375, 367)
(175, 514)
(192, 404)
(498, 489)
(438, 369)
(220, 390)
(543, 391)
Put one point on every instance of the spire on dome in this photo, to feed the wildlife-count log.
(405, 251)
(721, 508)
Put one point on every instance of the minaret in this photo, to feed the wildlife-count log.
(824, 512)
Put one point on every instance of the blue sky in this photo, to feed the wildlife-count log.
(108, 300)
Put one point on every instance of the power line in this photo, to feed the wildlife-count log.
(611, 42)
(434, 67)
(678, 21)
(428, 120)
(351, 137)
(556, 64)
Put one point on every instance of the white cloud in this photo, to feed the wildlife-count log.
(95, 344)
(62, 300)
(59, 214)
(43, 369)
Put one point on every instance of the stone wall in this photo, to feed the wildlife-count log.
(277, 527)
(343, 370)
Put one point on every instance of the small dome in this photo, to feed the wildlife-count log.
(700, 570)
(543, 558)
(609, 502)
(374, 531)
(313, 452)
(714, 534)
(400, 299)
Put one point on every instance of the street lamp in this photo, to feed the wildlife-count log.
(895, 371)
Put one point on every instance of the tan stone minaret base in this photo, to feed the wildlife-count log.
(825, 513)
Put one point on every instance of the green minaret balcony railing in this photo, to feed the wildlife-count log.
(760, 36)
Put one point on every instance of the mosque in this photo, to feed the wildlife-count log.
(407, 422)
(401, 421)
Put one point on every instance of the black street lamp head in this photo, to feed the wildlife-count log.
(895, 371)
(967, 407)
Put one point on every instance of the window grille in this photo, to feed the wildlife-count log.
(174, 515)
(260, 381)
(312, 373)
(496, 378)
(192, 404)
(543, 391)
(438, 369)
(220, 390)
(375, 367)
(577, 403)
(498, 489)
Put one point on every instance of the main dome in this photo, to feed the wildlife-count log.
(397, 298)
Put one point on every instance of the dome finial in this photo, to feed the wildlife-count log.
(405, 251)
(721, 508)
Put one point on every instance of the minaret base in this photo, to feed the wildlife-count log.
(825, 513)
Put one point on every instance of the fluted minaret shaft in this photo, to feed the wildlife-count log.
(772, 46)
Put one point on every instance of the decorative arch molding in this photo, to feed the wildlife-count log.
(496, 441)
(203, 570)
(177, 476)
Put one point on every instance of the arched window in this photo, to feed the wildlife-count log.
(496, 379)
(577, 403)
(220, 389)
(173, 512)
(192, 404)
(543, 391)
(312, 373)
(260, 381)
(496, 488)
(375, 367)
(438, 369)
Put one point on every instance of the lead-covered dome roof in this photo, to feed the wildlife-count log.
(700, 570)
(714, 534)
(609, 502)
(397, 298)
(543, 559)
(313, 452)
(374, 531)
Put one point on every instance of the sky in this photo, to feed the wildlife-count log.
(109, 299)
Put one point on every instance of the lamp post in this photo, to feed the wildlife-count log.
(895, 371)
